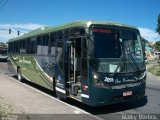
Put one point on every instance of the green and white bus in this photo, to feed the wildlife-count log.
(95, 62)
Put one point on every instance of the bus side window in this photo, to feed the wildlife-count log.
(52, 44)
(28, 46)
(42, 45)
(10, 47)
(59, 35)
(66, 33)
(33, 45)
(23, 46)
(45, 45)
(16, 49)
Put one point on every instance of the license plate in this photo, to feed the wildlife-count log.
(128, 93)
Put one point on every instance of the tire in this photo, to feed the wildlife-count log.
(19, 75)
(54, 86)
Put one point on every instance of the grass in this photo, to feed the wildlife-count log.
(155, 70)
(152, 61)
(5, 110)
(6, 113)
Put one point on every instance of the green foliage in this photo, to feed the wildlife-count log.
(5, 111)
(158, 25)
(155, 70)
(157, 45)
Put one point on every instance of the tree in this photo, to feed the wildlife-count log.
(157, 45)
(158, 25)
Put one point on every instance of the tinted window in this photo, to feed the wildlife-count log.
(107, 44)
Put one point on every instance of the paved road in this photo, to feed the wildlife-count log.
(18, 98)
(138, 107)
(145, 110)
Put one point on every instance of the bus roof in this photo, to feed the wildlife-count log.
(84, 23)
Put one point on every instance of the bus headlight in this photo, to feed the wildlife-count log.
(99, 83)
(95, 80)
(95, 76)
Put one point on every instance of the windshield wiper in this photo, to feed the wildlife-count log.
(121, 58)
(101, 67)
(134, 62)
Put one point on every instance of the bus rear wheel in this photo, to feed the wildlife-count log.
(19, 75)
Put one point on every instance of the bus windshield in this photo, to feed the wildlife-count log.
(116, 49)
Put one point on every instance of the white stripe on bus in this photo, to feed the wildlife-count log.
(60, 90)
(84, 95)
(43, 70)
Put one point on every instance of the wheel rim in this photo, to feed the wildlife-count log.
(19, 76)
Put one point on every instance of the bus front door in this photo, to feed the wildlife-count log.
(60, 75)
(68, 64)
(76, 66)
(71, 77)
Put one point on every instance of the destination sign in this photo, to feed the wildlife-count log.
(101, 30)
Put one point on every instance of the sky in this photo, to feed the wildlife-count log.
(27, 15)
